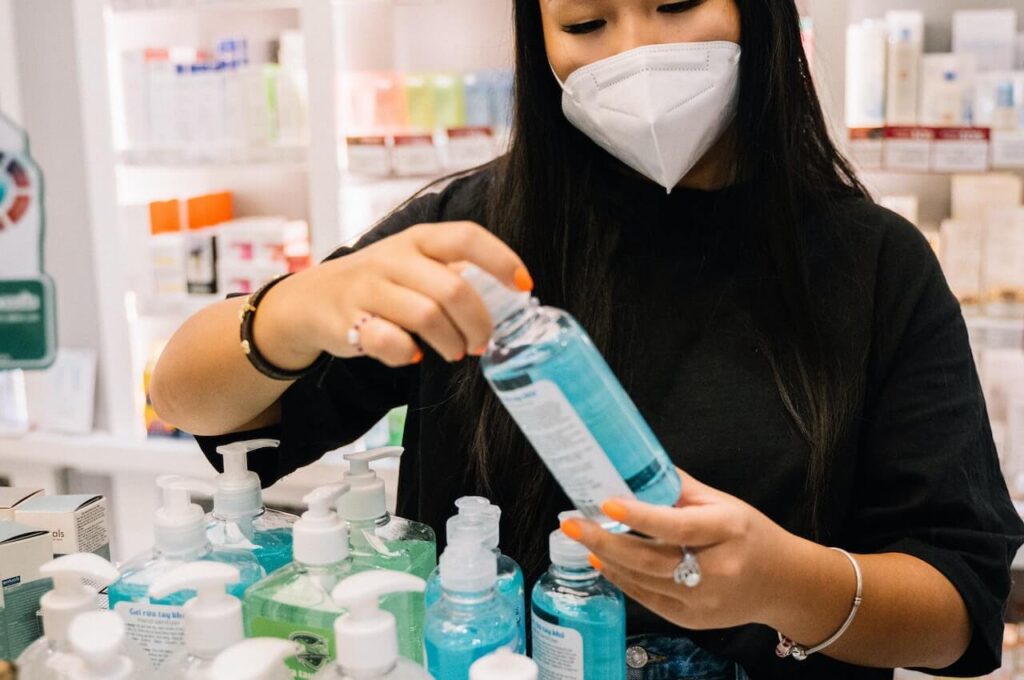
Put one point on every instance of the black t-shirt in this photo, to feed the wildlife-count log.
(916, 474)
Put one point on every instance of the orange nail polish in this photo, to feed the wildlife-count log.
(614, 509)
(594, 562)
(524, 281)
(479, 351)
(418, 357)
(572, 529)
(461, 356)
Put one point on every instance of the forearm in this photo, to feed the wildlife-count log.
(911, 615)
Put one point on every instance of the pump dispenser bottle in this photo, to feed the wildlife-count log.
(561, 393)
(46, 657)
(477, 509)
(579, 618)
(213, 619)
(471, 619)
(180, 537)
(506, 665)
(239, 518)
(367, 636)
(380, 540)
(98, 643)
(255, 659)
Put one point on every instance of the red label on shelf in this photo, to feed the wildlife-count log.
(865, 134)
(367, 141)
(963, 134)
(910, 133)
(414, 140)
(473, 131)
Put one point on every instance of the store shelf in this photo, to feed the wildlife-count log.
(290, 158)
(136, 6)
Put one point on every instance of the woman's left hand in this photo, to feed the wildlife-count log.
(741, 554)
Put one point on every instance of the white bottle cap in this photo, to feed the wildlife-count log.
(70, 597)
(239, 493)
(213, 619)
(504, 664)
(254, 659)
(97, 639)
(367, 637)
(566, 552)
(467, 566)
(501, 301)
(366, 499)
(481, 509)
(320, 537)
(179, 526)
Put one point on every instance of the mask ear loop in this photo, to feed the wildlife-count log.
(560, 83)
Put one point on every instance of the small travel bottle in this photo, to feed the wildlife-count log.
(561, 393)
(579, 618)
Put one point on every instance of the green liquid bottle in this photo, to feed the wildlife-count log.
(379, 540)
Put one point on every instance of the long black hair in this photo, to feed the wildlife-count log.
(541, 203)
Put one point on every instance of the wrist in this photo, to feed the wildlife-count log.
(280, 332)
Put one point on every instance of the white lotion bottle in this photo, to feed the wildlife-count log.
(504, 665)
(99, 645)
(254, 659)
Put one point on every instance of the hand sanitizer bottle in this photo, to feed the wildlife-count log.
(579, 618)
(180, 537)
(213, 619)
(255, 659)
(510, 576)
(367, 637)
(561, 393)
(506, 665)
(239, 518)
(294, 603)
(98, 643)
(380, 540)
(471, 619)
(45, 658)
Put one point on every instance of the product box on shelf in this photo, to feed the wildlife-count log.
(1003, 262)
(960, 251)
(908, 149)
(368, 155)
(960, 150)
(989, 35)
(23, 550)
(11, 497)
(974, 195)
(867, 146)
(415, 155)
(469, 147)
(76, 522)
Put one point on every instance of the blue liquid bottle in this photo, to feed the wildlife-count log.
(579, 618)
(477, 509)
(560, 391)
(471, 619)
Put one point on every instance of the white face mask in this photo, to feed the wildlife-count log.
(657, 108)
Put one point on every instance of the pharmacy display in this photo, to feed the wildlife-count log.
(27, 305)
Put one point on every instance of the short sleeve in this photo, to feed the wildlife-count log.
(929, 482)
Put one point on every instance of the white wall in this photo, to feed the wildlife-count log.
(10, 95)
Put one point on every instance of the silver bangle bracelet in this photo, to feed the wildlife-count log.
(789, 648)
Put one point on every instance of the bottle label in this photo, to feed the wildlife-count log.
(557, 650)
(158, 628)
(317, 644)
(565, 444)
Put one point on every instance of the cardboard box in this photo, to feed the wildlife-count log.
(77, 523)
(23, 549)
(10, 497)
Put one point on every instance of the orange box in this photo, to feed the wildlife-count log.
(209, 209)
(164, 216)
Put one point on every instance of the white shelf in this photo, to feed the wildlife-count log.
(135, 6)
(290, 158)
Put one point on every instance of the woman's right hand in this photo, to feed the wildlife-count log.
(406, 281)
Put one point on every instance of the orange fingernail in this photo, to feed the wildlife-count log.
(594, 562)
(479, 352)
(524, 281)
(461, 356)
(572, 529)
(418, 357)
(616, 510)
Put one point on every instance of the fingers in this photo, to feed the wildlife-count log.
(421, 315)
(695, 492)
(466, 241)
(389, 344)
(692, 525)
(630, 553)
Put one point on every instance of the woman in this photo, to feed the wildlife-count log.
(793, 346)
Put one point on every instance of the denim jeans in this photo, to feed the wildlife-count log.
(651, 657)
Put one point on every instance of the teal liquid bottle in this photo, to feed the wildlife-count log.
(471, 619)
(510, 577)
(579, 618)
(157, 624)
(380, 540)
(239, 519)
(561, 393)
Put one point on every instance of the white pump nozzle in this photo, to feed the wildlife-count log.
(213, 619)
(367, 637)
(501, 301)
(564, 551)
(254, 659)
(480, 509)
(97, 639)
(367, 499)
(179, 524)
(238, 491)
(320, 537)
(504, 664)
(70, 596)
(467, 565)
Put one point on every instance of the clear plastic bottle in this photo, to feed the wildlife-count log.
(367, 636)
(510, 577)
(98, 645)
(45, 658)
(380, 540)
(239, 519)
(579, 618)
(560, 391)
(255, 659)
(506, 665)
(213, 619)
(471, 619)
(156, 624)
